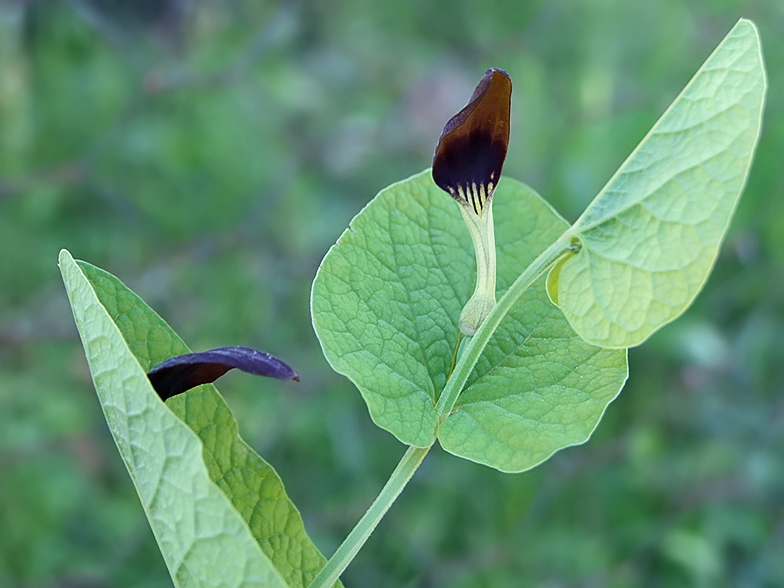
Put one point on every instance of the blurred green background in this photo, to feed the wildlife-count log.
(208, 153)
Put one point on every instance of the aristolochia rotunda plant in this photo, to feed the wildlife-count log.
(463, 307)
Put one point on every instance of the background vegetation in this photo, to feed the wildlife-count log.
(210, 152)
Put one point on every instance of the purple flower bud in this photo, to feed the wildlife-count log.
(181, 373)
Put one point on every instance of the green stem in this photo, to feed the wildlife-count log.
(330, 573)
(473, 350)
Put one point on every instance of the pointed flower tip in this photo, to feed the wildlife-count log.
(179, 374)
(472, 148)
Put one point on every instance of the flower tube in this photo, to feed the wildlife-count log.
(467, 165)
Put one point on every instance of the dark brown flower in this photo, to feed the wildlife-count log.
(471, 150)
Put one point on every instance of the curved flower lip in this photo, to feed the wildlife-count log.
(179, 374)
(472, 148)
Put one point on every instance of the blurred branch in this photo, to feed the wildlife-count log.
(80, 446)
(279, 29)
(64, 174)
(45, 317)
(126, 25)
(13, 5)
(74, 173)
(21, 334)
(115, 29)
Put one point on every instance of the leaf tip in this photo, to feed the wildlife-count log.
(64, 255)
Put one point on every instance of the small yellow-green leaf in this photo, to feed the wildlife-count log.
(651, 236)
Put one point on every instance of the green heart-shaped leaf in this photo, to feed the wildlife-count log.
(651, 236)
(386, 303)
